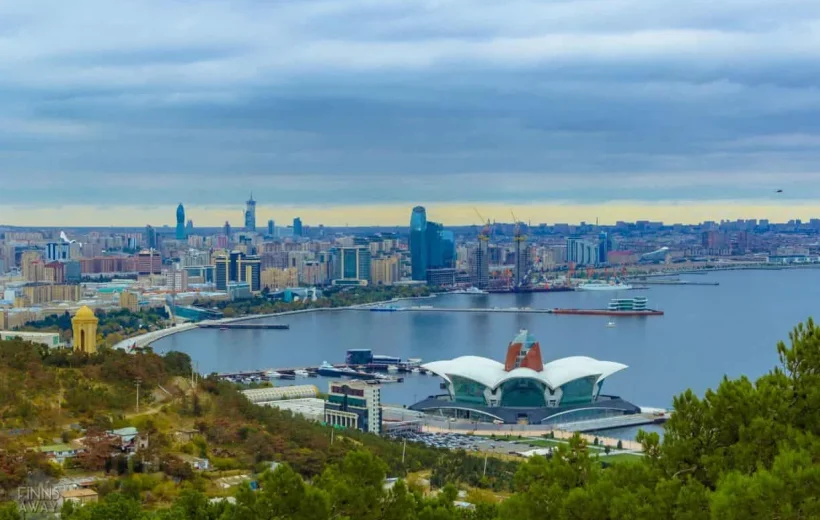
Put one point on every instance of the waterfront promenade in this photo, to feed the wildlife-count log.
(525, 431)
(144, 340)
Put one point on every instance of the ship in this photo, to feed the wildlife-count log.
(469, 290)
(617, 307)
(604, 286)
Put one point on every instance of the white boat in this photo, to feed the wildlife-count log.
(271, 374)
(610, 323)
(604, 286)
(469, 290)
(392, 368)
(301, 373)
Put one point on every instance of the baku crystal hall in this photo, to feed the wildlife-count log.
(524, 390)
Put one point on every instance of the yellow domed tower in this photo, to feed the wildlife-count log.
(84, 326)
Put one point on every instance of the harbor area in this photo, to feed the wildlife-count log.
(360, 364)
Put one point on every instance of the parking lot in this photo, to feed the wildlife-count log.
(458, 441)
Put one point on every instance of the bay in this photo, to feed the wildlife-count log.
(707, 332)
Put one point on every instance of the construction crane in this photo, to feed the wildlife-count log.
(520, 241)
(484, 234)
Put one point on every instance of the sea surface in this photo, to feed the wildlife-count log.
(707, 332)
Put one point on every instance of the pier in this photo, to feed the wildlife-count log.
(673, 282)
(269, 326)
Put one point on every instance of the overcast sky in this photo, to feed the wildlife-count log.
(325, 104)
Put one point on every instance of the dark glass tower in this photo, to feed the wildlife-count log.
(418, 243)
(250, 214)
(297, 227)
(180, 222)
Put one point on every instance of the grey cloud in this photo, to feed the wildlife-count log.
(359, 101)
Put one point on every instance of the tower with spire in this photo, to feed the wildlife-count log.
(250, 214)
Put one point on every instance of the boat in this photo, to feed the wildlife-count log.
(597, 285)
(469, 290)
(301, 373)
(392, 368)
(223, 328)
(617, 307)
(328, 370)
(610, 323)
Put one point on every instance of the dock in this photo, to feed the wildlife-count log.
(249, 326)
(313, 371)
(674, 282)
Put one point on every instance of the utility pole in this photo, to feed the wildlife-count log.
(332, 430)
(485, 463)
(138, 381)
(403, 450)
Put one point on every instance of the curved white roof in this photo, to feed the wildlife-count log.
(491, 373)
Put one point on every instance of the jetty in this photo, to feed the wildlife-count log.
(268, 326)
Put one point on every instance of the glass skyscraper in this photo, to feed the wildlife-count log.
(418, 243)
(431, 247)
(180, 222)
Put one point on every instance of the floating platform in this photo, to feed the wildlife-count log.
(277, 326)
(606, 312)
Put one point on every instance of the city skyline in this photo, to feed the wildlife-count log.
(343, 103)
(683, 212)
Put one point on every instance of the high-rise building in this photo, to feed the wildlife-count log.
(271, 227)
(180, 222)
(237, 267)
(418, 244)
(297, 227)
(189, 227)
(582, 252)
(58, 251)
(522, 258)
(384, 270)
(431, 247)
(54, 272)
(351, 265)
(250, 215)
(604, 247)
(32, 266)
(479, 264)
(149, 261)
(227, 230)
(354, 404)
(150, 237)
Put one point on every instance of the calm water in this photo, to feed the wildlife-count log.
(707, 332)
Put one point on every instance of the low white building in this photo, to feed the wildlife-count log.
(49, 339)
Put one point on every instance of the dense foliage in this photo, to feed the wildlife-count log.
(333, 297)
(745, 450)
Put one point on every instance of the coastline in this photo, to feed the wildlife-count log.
(145, 340)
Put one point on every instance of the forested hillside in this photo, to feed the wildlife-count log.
(748, 449)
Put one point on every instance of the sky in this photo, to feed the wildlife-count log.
(351, 112)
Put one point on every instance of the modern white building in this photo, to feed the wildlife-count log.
(523, 389)
(278, 393)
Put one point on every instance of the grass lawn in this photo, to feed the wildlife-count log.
(619, 458)
(551, 443)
